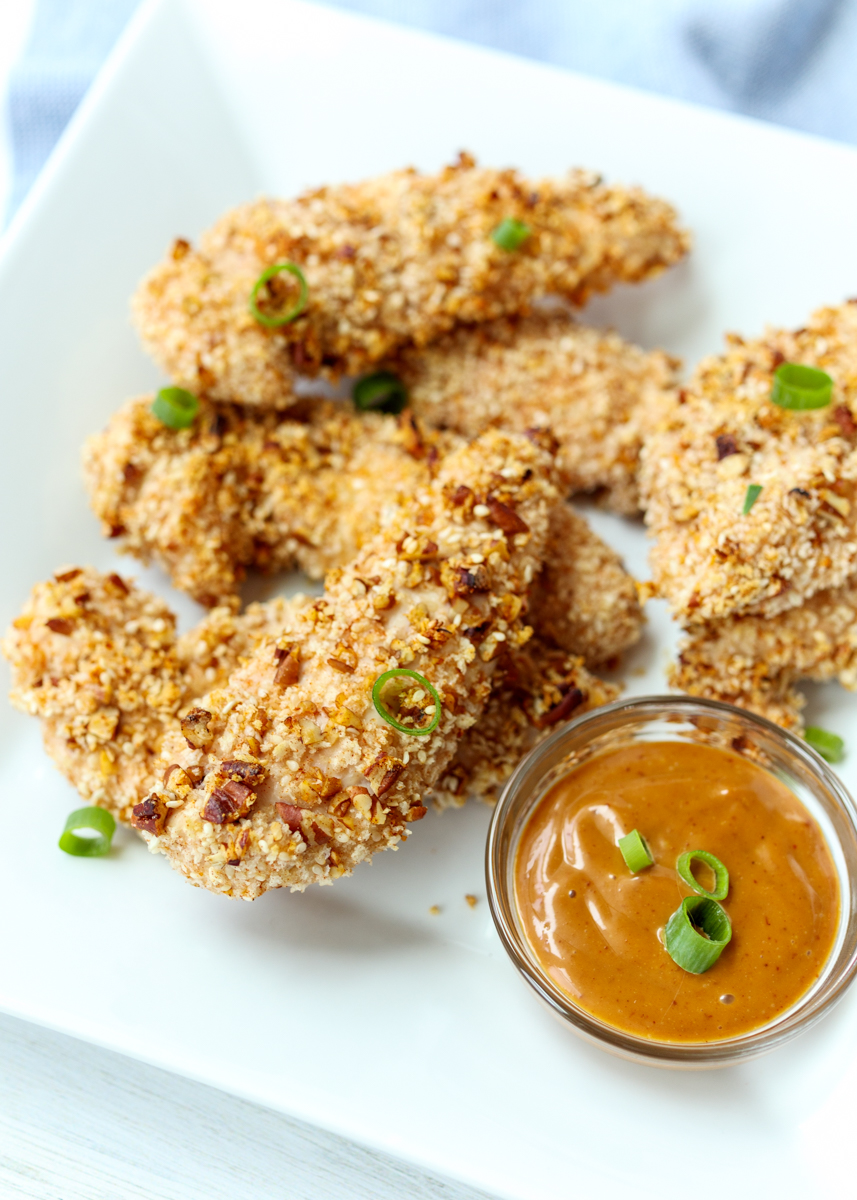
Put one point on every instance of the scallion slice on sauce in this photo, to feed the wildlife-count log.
(684, 866)
(754, 490)
(272, 320)
(800, 388)
(381, 392)
(510, 234)
(635, 852)
(175, 407)
(401, 697)
(99, 826)
(697, 933)
(828, 745)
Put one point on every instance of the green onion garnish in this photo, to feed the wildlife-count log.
(409, 698)
(175, 407)
(800, 388)
(635, 852)
(93, 844)
(510, 234)
(266, 319)
(697, 933)
(752, 495)
(828, 745)
(684, 866)
(381, 392)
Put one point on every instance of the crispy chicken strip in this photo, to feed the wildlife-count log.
(599, 394)
(290, 731)
(247, 488)
(710, 560)
(755, 662)
(390, 261)
(287, 775)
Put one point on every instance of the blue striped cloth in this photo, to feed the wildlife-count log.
(789, 61)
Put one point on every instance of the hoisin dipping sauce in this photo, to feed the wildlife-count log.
(597, 930)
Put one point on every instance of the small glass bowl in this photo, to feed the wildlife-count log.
(678, 718)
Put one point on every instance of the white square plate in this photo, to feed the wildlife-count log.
(353, 1007)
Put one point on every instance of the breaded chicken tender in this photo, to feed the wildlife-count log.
(287, 774)
(599, 394)
(279, 774)
(710, 559)
(755, 662)
(250, 488)
(389, 262)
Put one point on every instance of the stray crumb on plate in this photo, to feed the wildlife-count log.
(435, 910)
(471, 900)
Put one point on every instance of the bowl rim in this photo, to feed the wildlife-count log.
(815, 1003)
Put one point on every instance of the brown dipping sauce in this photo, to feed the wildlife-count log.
(595, 928)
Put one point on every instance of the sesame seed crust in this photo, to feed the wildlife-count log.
(396, 260)
(710, 560)
(251, 488)
(598, 394)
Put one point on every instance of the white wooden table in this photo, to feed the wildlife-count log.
(81, 1123)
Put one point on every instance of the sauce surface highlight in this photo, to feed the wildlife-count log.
(596, 929)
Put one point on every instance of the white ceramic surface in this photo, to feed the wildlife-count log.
(353, 1007)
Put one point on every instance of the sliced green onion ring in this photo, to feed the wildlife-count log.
(510, 234)
(99, 821)
(800, 388)
(684, 866)
(828, 745)
(175, 407)
(268, 320)
(384, 685)
(697, 933)
(754, 490)
(381, 392)
(635, 851)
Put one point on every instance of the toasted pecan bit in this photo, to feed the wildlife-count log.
(195, 728)
(798, 491)
(416, 812)
(67, 576)
(288, 660)
(228, 802)
(461, 495)
(384, 773)
(60, 625)
(180, 249)
(119, 583)
(467, 580)
(339, 665)
(572, 699)
(726, 445)
(843, 418)
(477, 633)
(116, 531)
(243, 771)
(290, 815)
(506, 518)
(150, 815)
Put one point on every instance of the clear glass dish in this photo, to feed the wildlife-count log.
(679, 718)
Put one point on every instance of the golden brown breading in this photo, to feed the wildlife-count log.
(599, 394)
(253, 488)
(299, 778)
(538, 688)
(391, 261)
(756, 661)
(248, 488)
(584, 601)
(709, 560)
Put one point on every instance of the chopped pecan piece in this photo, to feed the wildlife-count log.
(66, 576)
(119, 583)
(288, 660)
(195, 728)
(416, 812)
(461, 495)
(243, 771)
(384, 773)
(150, 814)
(506, 518)
(339, 665)
(221, 806)
(726, 445)
(471, 579)
(572, 699)
(181, 247)
(60, 625)
(290, 815)
(843, 418)
(477, 633)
